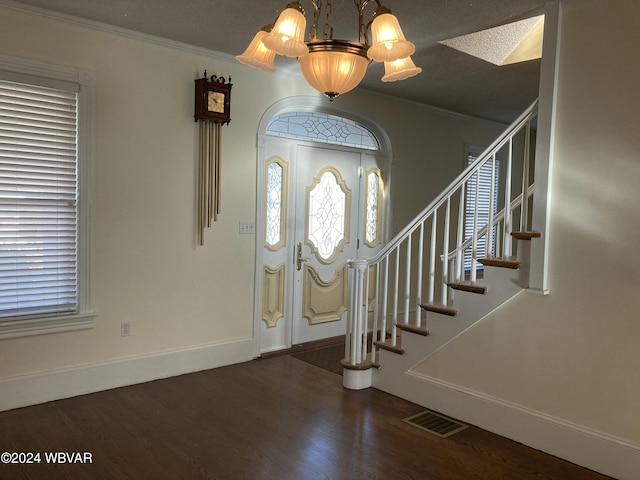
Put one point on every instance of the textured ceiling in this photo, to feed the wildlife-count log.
(450, 79)
(498, 44)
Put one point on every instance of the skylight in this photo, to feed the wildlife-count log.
(504, 45)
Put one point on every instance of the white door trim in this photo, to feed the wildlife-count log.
(305, 104)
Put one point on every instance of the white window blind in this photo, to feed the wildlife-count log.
(484, 205)
(38, 200)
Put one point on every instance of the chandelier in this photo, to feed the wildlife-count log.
(334, 66)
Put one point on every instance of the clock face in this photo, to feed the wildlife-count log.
(215, 102)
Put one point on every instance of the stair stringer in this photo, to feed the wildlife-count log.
(503, 284)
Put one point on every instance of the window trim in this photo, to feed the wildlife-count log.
(46, 74)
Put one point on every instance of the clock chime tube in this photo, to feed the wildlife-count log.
(217, 188)
(210, 174)
(201, 181)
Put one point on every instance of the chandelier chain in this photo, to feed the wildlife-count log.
(327, 31)
(313, 30)
(362, 28)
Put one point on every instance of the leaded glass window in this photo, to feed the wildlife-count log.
(276, 203)
(373, 210)
(328, 201)
(322, 127)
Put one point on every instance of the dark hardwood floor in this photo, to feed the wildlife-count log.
(276, 418)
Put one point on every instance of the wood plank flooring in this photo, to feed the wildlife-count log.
(276, 418)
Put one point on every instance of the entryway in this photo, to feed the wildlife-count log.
(321, 187)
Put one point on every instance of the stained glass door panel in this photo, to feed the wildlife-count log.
(328, 188)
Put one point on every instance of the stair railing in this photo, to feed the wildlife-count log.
(385, 289)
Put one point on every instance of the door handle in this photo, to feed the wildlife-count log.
(299, 259)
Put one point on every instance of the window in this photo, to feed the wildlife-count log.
(328, 205)
(324, 128)
(373, 211)
(45, 165)
(276, 204)
(484, 204)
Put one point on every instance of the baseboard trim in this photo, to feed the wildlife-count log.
(25, 390)
(591, 449)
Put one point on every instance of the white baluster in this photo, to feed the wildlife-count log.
(459, 252)
(385, 294)
(432, 257)
(375, 335)
(474, 230)
(506, 249)
(407, 281)
(445, 247)
(524, 209)
(489, 237)
(418, 320)
(394, 314)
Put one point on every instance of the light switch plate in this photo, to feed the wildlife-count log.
(248, 227)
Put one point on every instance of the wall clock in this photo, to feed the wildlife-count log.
(212, 110)
(213, 99)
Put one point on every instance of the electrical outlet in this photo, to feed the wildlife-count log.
(125, 329)
(248, 227)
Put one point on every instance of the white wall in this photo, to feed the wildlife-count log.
(574, 355)
(148, 270)
(429, 149)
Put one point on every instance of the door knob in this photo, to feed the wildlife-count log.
(299, 258)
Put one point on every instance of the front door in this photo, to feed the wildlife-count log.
(326, 237)
(320, 206)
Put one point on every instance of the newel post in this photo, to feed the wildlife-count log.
(356, 367)
(545, 146)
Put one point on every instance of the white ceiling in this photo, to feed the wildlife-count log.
(450, 79)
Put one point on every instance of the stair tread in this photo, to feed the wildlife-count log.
(510, 262)
(468, 286)
(390, 348)
(365, 365)
(439, 308)
(413, 329)
(526, 235)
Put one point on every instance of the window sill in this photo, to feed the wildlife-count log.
(46, 325)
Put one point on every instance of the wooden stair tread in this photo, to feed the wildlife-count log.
(500, 262)
(390, 348)
(468, 286)
(365, 365)
(413, 329)
(525, 235)
(439, 308)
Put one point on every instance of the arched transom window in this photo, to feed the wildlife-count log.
(322, 127)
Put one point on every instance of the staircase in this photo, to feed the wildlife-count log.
(464, 255)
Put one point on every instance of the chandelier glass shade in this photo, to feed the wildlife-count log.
(287, 35)
(400, 70)
(333, 66)
(257, 55)
(388, 42)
